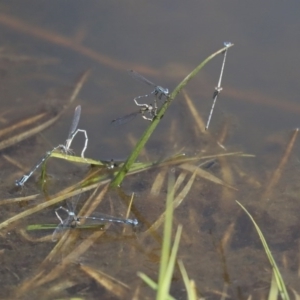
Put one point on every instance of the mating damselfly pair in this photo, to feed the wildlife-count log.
(73, 220)
(147, 111)
(66, 148)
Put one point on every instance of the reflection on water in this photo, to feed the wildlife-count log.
(46, 45)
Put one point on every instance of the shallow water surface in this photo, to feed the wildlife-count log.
(47, 47)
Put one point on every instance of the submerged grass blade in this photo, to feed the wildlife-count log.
(195, 114)
(61, 287)
(41, 206)
(71, 257)
(26, 236)
(22, 124)
(181, 177)
(280, 283)
(19, 199)
(28, 133)
(158, 183)
(112, 285)
(25, 135)
(279, 170)
(177, 201)
(206, 175)
(297, 296)
(41, 277)
(146, 135)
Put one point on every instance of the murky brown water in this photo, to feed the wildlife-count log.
(45, 46)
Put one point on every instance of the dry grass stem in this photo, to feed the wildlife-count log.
(197, 118)
(227, 176)
(62, 286)
(15, 163)
(19, 199)
(177, 201)
(227, 236)
(92, 203)
(70, 258)
(22, 124)
(224, 292)
(136, 294)
(62, 247)
(297, 296)
(278, 172)
(129, 206)
(69, 43)
(41, 277)
(251, 180)
(31, 283)
(222, 136)
(28, 237)
(181, 177)
(206, 175)
(41, 206)
(181, 196)
(158, 182)
(111, 284)
(70, 237)
(25, 135)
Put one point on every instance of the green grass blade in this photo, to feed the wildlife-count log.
(273, 292)
(41, 227)
(78, 159)
(34, 227)
(280, 283)
(187, 282)
(167, 261)
(166, 245)
(146, 135)
(148, 280)
(164, 289)
(151, 283)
